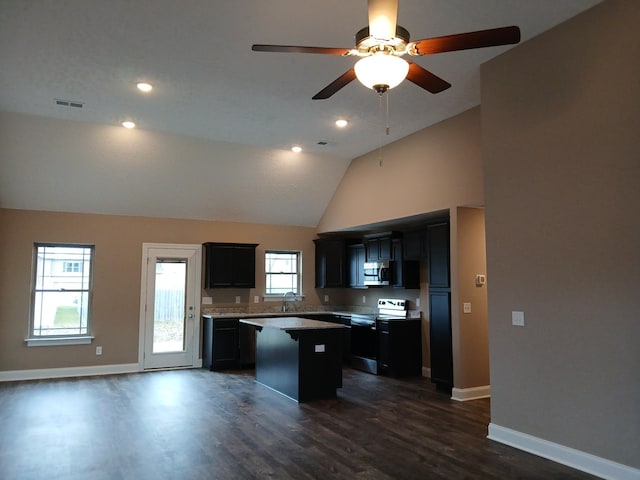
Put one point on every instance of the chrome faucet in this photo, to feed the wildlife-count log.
(287, 298)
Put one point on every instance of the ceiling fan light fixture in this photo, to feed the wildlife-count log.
(381, 71)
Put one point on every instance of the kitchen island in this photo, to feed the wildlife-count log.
(298, 357)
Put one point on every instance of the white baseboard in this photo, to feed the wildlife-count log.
(473, 393)
(44, 373)
(571, 457)
(426, 372)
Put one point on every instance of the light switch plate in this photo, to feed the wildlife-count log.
(256, 299)
(517, 319)
(319, 348)
(237, 298)
(326, 298)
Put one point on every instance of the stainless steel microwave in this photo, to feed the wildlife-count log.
(377, 273)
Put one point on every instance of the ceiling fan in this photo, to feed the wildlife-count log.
(382, 44)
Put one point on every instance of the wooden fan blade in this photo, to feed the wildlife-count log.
(343, 80)
(425, 79)
(383, 17)
(298, 49)
(465, 41)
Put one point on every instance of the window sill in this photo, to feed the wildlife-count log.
(45, 342)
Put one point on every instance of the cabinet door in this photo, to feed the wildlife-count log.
(219, 266)
(356, 254)
(440, 339)
(244, 266)
(384, 348)
(379, 249)
(225, 351)
(330, 263)
(406, 273)
(438, 255)
(230, 265)
(415, 245)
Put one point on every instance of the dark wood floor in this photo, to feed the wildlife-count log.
(196, 424)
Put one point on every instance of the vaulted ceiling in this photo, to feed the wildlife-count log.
(233, 113)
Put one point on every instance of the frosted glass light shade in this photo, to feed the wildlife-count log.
(381, 69)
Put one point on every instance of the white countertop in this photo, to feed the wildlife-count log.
(290, 323)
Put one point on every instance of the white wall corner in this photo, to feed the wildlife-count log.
(473, 393)
(571, 457)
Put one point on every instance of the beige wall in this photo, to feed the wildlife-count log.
(561, 123)
(437, 168)
(471, 330)
(117, 271)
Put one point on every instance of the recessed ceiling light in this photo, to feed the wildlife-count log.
(144, 87)
(296, 149)
(128, 125)
(341, 123)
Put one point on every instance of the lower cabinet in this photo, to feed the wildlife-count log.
(441, 340)
(399, 347)
(226, 344)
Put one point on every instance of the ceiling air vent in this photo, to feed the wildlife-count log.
(69, 103)
(322, 143)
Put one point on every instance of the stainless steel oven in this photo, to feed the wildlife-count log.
(364, 334)
(364, 342)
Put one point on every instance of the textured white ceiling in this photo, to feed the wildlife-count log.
(208, 84)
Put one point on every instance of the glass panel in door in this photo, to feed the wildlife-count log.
(169, 312)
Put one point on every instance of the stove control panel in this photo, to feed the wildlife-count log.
(392, 304)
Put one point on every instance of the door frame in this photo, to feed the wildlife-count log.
(195, 347)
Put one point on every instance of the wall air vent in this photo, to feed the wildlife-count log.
(322, 143)
(69, 103)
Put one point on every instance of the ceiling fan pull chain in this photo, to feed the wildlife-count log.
(387, 129)
(380, 147)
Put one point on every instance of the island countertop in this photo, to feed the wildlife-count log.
(290, 323)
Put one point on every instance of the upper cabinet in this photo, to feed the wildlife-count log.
(415, 244)
(330, 263)
(378, 247)
(406, 273)
(438, 255)
(229, 265)
(356, 258)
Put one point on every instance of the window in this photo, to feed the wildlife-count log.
(282, 271)
(61, 291)
(71, 267)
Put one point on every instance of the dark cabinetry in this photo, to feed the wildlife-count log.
(406, 273)
(438, 255)
(230, 265)
(378, 248)
(227, 344)
(356, 257)
(330, 263)
(415, 244)
(399, 347)
(440, 306)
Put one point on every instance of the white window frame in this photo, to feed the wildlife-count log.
(278, 296)
(35, 339)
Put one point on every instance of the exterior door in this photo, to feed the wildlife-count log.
(170, 306)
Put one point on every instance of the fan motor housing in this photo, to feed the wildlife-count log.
(366, 43)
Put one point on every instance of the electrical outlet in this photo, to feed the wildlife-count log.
(98, 350)
(256, 299)
(237, 298)
(326, 298)
(207, 300)
(517, 319)
(364, 299)
(466, 307)
(417, 302)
